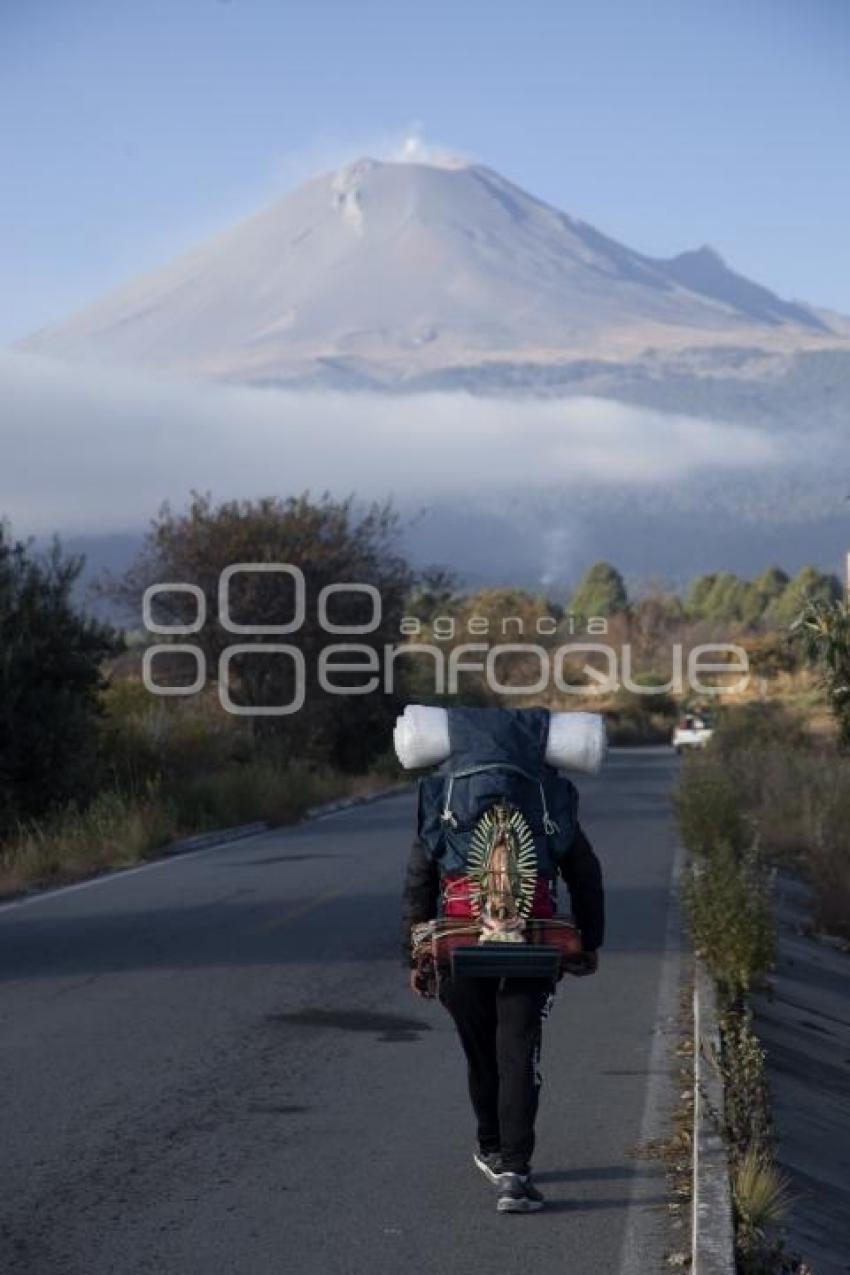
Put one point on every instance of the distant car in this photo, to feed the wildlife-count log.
(692, 731)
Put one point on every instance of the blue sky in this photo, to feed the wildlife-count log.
(131, 128)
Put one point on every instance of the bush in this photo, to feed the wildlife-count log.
(823, 630)
(639, 719)
(50, 660)
(762, 1195)
(727, 899)
(794, 799)
(169, 768)
(747, 1103)
(145, 737)
(755, 727)
(709, 806)
(330, 542)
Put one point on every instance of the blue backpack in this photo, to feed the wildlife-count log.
(497, 758)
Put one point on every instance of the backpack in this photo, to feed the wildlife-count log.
(496, 811)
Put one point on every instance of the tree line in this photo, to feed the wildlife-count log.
(771, 600)
(55, 661)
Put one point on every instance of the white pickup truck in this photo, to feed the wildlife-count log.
(692, 731)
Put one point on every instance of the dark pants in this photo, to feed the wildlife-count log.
(500, 1022)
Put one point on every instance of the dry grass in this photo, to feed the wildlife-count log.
(765, 781)
(113, 832)
(118, 829)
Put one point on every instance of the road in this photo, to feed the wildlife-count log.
(212, 1064)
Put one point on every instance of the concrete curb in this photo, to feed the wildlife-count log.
(217, 837)
(193, 844)
(713, 1233)
(346, 803)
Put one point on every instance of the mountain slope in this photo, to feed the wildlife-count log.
(706, 272)
(387, 271)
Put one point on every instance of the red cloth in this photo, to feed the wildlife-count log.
(457, 900)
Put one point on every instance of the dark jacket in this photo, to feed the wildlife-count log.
(580, 868)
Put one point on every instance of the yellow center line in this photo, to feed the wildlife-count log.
(301, 909)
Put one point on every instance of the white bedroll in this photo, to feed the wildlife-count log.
(576, 742)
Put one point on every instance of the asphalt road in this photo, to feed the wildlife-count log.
(213, 1064)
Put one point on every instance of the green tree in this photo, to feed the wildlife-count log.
(698, 595)
(771, 584)
(50, 660)
(725, 597)
(331, 542)
(601, 591)
(808, 585)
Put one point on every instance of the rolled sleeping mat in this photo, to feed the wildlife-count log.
(421, 736)
(577, 741)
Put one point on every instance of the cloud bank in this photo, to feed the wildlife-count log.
(92, 451)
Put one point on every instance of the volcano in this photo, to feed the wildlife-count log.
(393, 274)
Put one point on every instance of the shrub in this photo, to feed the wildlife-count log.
(50, 659)
(794, 799)
(823, 629)
(330, 542)
(709, 807)
(142, 739)
(755, 727)
(747, 1104)
(762, 1194)
(640, 719)
(727, 899)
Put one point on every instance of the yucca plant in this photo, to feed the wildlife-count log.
(823, 629)
(762, 1197)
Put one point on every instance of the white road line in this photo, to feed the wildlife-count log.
(119, 874)
(40, 896)
(636, 1240)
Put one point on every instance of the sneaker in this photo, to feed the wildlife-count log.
(490, 1164)
(518, 1194)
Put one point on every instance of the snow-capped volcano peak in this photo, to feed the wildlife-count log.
(414, 150)
(390, 268)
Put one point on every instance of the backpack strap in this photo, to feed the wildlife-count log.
(447, 816)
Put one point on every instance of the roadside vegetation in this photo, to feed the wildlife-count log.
(95, 772)
(765, 795)
(823, 630)
(166, 772)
